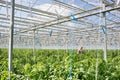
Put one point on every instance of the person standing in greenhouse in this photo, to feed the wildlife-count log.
(80, 50)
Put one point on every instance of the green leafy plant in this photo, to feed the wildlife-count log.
(55, 65)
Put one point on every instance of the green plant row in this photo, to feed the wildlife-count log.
(45, 64)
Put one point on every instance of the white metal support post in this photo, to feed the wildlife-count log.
(11, 38)
(119, 44)
(34, 46)
(105, 35)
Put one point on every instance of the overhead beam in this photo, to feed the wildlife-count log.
(32, 9)
(66, 19)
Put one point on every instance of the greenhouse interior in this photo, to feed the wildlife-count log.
(59, 39)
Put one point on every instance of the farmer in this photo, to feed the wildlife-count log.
(80, 50)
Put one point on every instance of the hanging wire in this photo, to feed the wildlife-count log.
(66, 42)
(71, 42)
(58, 38)
(34, 44)
(49, 7)
(30, 8)
(0, 34)
(59, 47)
(119, 44)
(88, 43)
(99, 29)
(71, 51)
(51, 32)
(34, 37)
(34, 3)
(20, 10)
(117, 14)
(7, 15)
(0, 7)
